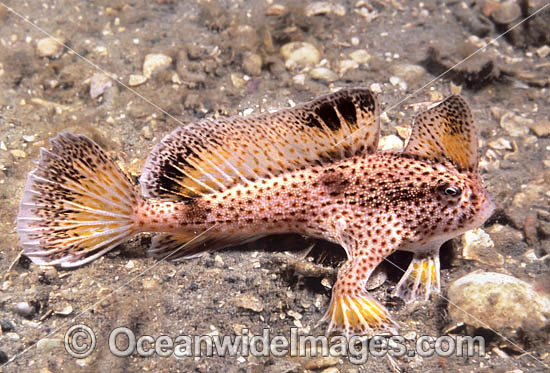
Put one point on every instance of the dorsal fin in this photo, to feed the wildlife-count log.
(446, 131)
(213, 155)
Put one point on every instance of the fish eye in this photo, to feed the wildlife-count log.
(449, 190)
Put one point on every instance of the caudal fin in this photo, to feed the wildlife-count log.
(77, 204)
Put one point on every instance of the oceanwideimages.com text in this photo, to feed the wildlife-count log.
(80, 342)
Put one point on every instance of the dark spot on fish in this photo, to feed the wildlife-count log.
(334, 182)
(194, 211)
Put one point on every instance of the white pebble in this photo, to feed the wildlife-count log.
(154, 63)
(50, 47)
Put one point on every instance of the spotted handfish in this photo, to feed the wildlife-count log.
(313, 169)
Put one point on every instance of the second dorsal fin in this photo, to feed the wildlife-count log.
(446, 132)
(212, 155)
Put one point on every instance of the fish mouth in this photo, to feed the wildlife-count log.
(486, 210)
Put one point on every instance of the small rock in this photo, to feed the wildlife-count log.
(147, 133)
(408, 72)
(542, 128)
(497, 301)
(149, 283)
(360, 56)
(276, 10)
(515, 125)
(18, 153)
(543, 51)
(397, 81)
(346, 65)
(404, 131)
(501, 144)
(376, 88)
(252, 64)
(324, 7)
(136, 79)
(218, 261)
(506, 13)
(29, 138)
(99, 82)
(378, 277)
(477, 245)
(6, 326)
(3, 357)
(249, 303)
(24, 309)
(154, 63)
(323, 74)
(63, 309)
(390, 142)
(50, 47)
(320, 363)
(237, 80)
(45, 345)
(300, 54)
(13, 336)
(299, 79)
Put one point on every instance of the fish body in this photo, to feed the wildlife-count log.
(313, 169)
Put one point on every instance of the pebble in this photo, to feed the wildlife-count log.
(360, 56)
(155, 62)
(299, 79)
(378, 277)
(506, 12)
(324, 74)
(149, 283)
(48, 344)
(136, 79)
(50, 47)
(18, 153)
(300, 54)
(320, 363)
(541, 128)
(346, 65)
(24, 309)
(276, 10)
(397, 81)
(218, 261)
(408, 72)
(249, 303)
(403, 131)
(6, 326)
(543, 51)
(515, 125)
(3, 357)
(252, 64)
(29, 138)
(390, 142)
(478, 246)
(99, 82)
(63, 309)
(501, 144)
(147, 133)
(237, 80)
(497, 301)
(324, 7)
(376, 88)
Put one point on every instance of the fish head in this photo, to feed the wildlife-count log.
(460, 202)
(444, 142)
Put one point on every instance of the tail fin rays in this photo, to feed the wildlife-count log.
(76, 206)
